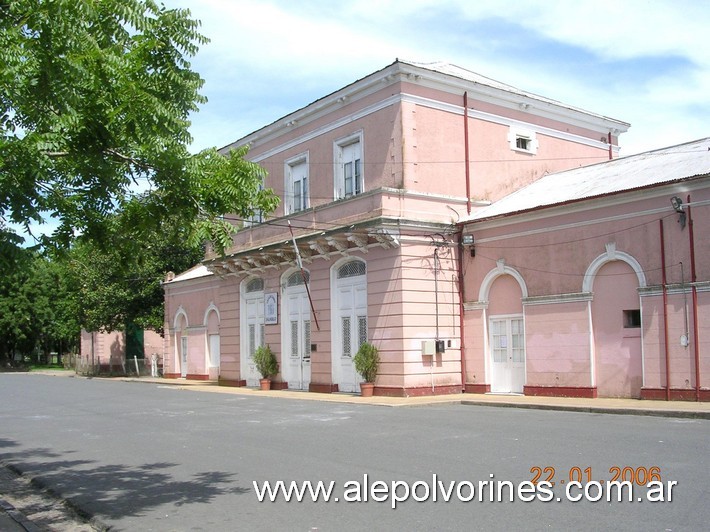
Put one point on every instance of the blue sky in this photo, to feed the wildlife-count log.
(641, 61)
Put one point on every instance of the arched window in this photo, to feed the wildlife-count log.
(352, 269)
(255, 285)
(296, 278)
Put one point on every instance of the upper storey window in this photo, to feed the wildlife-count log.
(349, 179)
(522, 140)
(296, 184)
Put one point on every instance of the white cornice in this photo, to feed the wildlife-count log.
(512, 98)
(403, 72)
(398, 99)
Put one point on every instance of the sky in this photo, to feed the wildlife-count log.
(644, 62)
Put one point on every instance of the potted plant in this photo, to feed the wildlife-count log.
(266, 364)
(367, 362)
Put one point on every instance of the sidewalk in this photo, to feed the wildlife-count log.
(682, 409)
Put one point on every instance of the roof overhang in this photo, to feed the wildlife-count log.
(320, 245)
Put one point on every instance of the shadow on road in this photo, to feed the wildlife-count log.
(116, 490)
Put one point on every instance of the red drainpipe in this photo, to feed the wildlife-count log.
(466, 155)
(665, 314)
(461, 310)
(694, 289)
(610, 152)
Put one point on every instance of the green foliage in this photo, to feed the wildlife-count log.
(265, 362)
(120, 284)
(367, 361)
(95, 98)
(37, 308)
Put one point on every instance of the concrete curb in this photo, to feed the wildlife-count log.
(21, 522)
(596, 410)
(629, 407)
(40, 485)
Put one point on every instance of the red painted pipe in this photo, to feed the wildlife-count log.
(611, 156)
(466, 156)
(665, 314)
(694, 289)
(462, 342)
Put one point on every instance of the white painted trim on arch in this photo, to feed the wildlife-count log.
(501, 269)
(210, 308)
(180, 312)
(611, 254)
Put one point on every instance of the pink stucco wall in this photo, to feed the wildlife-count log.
(571, 345)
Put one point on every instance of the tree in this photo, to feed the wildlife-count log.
(95, 98)
(121, 285)
(37, 307)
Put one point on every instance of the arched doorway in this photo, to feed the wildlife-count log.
(616, 319)
(506, 336)
(349, 320)
(181, 342)
(213, 342)
(296, 331)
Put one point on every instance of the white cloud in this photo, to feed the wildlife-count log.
(268, 58)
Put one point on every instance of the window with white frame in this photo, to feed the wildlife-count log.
(257, 217)
(522, 140)
(296, 184)
(349, 179)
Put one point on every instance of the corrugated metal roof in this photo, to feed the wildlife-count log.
(625, 173)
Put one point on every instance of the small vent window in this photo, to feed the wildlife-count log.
(632, 319)
(296, 278)
(255, 285)
(352, 269)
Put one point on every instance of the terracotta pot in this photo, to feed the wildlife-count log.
(366, 389)
(265, 384)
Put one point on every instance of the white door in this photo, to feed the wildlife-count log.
(507, 345)
(349, 323)
(183, 356)
(214, 351)
(297, 332)
(253, 337)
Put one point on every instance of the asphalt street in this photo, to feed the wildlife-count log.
(152, 457)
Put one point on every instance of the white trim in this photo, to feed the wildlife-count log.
(180, 312)
(210, 308)
(612, 254)
(340, 144)
(331, 126)
(505, 121)
(612, 199)
(501, 269)
(516, 132)
(289, 165)
(424, 102)
(592, 347)
(476, 305)
(557, 298)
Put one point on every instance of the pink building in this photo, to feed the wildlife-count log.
(114, 352)
(375, 179)
(594, 282)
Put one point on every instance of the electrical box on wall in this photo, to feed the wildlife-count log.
(440, 346)
(428, 348)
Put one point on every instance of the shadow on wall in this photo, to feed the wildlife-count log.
(116, 490)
